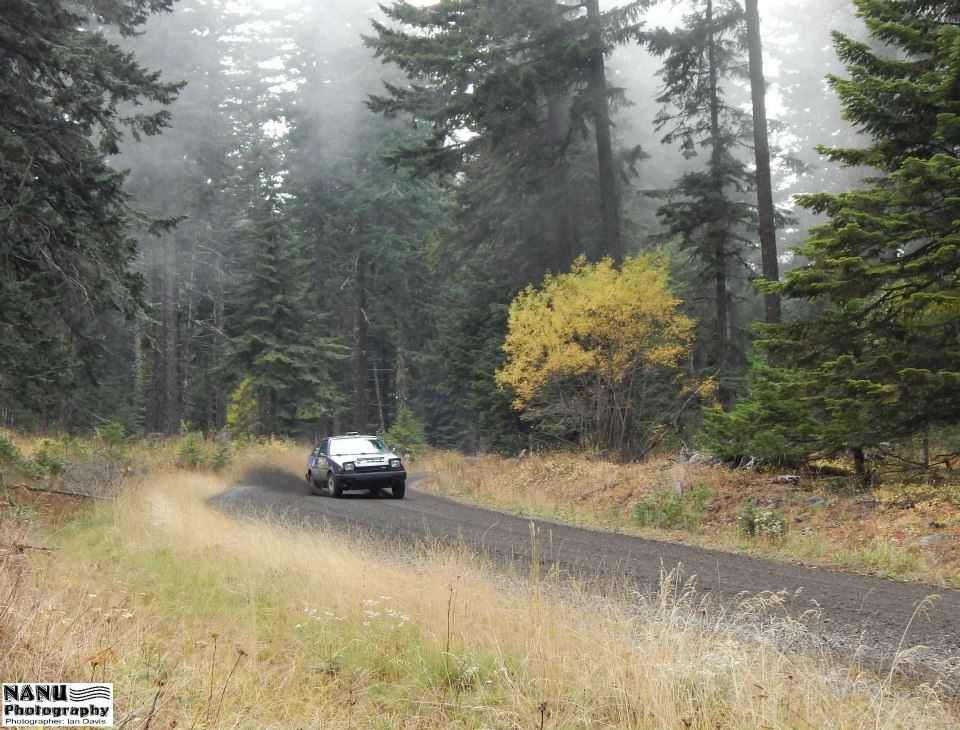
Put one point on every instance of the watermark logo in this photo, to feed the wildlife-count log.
(31, 704)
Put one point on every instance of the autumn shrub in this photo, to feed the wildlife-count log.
(907, 496)
(242, 408)
(600, 355)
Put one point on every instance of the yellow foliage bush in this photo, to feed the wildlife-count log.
(594, 320)
(597, 345)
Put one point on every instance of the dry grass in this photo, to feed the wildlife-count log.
(825, 527)
(205, 622)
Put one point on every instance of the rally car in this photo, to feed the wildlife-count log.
(354, 461)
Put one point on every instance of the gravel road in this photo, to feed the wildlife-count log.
(855, 611)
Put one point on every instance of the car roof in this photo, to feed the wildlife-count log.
(353, 436)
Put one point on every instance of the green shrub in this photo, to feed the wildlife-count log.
(194, 452)
(765, 522)
(769, 424)
(12, 461)
(406, 435)
(700, 494)
(664, 511)
(9, 454)
(191, 453)
(54, 457)
(220, 458)
(112, 433)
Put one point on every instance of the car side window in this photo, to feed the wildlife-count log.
(323, 450)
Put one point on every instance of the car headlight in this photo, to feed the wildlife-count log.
(349, 466)
(394, 463)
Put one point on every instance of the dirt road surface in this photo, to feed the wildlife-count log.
(875, 616)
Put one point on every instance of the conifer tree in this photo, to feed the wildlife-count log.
(278, 342)
(518, 80)
(66, 91)
(882, 361)
(707, 210)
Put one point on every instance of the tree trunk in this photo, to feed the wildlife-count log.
(761, 143)
(360, 364)
(379, 394)
(139, 367)
(558, 128)
(609, 198)
(860, 465)
(170, 382)
(402, 392)
(162, 398)
(218, 348)
(715, 232)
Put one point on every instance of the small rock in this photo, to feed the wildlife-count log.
(787, 479)
(803, 517)
(929, 540)
(816, 501)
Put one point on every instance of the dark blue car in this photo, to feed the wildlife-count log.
(354, 461)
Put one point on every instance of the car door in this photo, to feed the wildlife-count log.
(324, 449)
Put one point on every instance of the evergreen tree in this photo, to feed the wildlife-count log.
(516, 80)
(882, 362)
(708, 210)
(277, 343)
(65, 219)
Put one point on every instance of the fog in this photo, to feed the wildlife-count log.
(274, 117)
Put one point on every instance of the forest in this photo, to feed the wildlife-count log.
(511, 224)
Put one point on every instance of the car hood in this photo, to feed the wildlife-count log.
(371, 459)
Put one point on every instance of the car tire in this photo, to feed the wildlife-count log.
(314, 487)
(334, 488)
(398, 490)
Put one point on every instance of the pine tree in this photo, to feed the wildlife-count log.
(278, 341)
(707, 210)
(515, 80)
(882, 362)
(67, 95)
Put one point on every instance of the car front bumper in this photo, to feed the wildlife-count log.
(364, 480)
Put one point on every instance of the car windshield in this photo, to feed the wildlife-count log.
(358, 446)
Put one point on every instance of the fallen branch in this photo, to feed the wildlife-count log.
(21, 546)
(63, 492)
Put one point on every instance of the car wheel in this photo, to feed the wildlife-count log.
(314, 487)
(399, 490)
(333, 486)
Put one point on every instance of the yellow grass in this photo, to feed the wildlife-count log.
(202, 621)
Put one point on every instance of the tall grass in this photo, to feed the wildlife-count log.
(202, 621)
